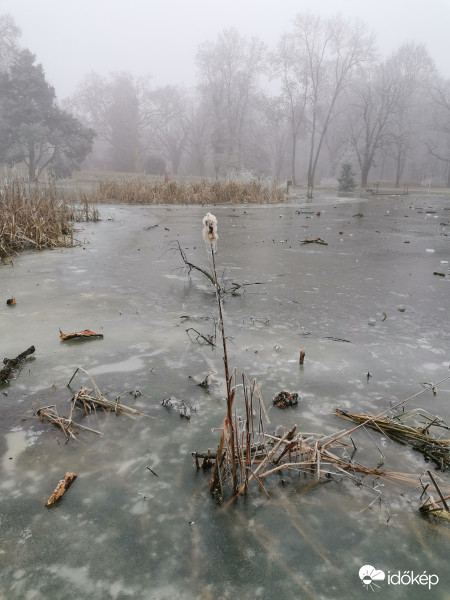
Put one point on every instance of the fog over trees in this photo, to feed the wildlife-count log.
(320, 98)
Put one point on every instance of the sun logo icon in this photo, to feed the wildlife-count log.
(369, 575)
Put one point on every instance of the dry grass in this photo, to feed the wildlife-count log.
(39, 216)
(413, 429)
(255, 454)
(168, 191)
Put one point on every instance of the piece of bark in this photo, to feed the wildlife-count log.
(61, 488)
(79, 334)
(14, 363)
(316, 240)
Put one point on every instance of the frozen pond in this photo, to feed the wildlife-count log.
(122, 532)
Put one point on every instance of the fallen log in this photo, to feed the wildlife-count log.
(61, 488)
(14, 363)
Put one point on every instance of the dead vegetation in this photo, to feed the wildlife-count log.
(255, 454)
(61, 488)
(410, 428)
(437, 508)
(234, 288)
(140, 190)
(38, 216)
(41, 215)
(86, 400)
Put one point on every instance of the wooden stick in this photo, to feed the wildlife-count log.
(302, 356)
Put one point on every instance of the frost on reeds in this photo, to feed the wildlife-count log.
(38, 216)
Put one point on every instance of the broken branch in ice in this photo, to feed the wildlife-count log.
(14, 363)
(316, 240)
(86, 333)
(61, 488)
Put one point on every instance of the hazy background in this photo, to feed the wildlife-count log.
(160, 38)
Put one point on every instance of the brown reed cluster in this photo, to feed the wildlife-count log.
(39, 216)
(168, 191)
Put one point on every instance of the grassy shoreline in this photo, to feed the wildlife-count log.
(40, 216)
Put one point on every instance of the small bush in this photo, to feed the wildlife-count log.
(347, 178)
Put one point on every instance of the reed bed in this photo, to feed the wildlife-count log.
(39, 216)
(168, 191)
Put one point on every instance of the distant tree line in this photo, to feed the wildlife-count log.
(334, 103)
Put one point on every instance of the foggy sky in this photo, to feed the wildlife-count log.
(160, 37)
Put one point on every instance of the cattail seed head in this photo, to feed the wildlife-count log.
(210, 229)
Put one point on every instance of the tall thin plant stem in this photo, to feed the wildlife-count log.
(230, 395)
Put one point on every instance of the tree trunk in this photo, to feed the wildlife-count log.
(398, 169)
(364, 175)
(310, 169)
(176, 159)
(294, 152)
(31, 164)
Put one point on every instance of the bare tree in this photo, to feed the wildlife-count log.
(290, 66)
(333, 49)
(199, 136)
(123, 112)
(438, 142)
(229, 70)
(276, 130)
(172, 136)
(373, 110)
(412, 69)
(9, 35)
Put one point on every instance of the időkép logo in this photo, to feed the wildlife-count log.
(372, 578)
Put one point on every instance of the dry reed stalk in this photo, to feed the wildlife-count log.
(384, 412)
(438, 450)
(438, 508)
(140, 190)
(37, 216)
(264, 462)
(228, 427)
(84, 396)
(49, 413)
